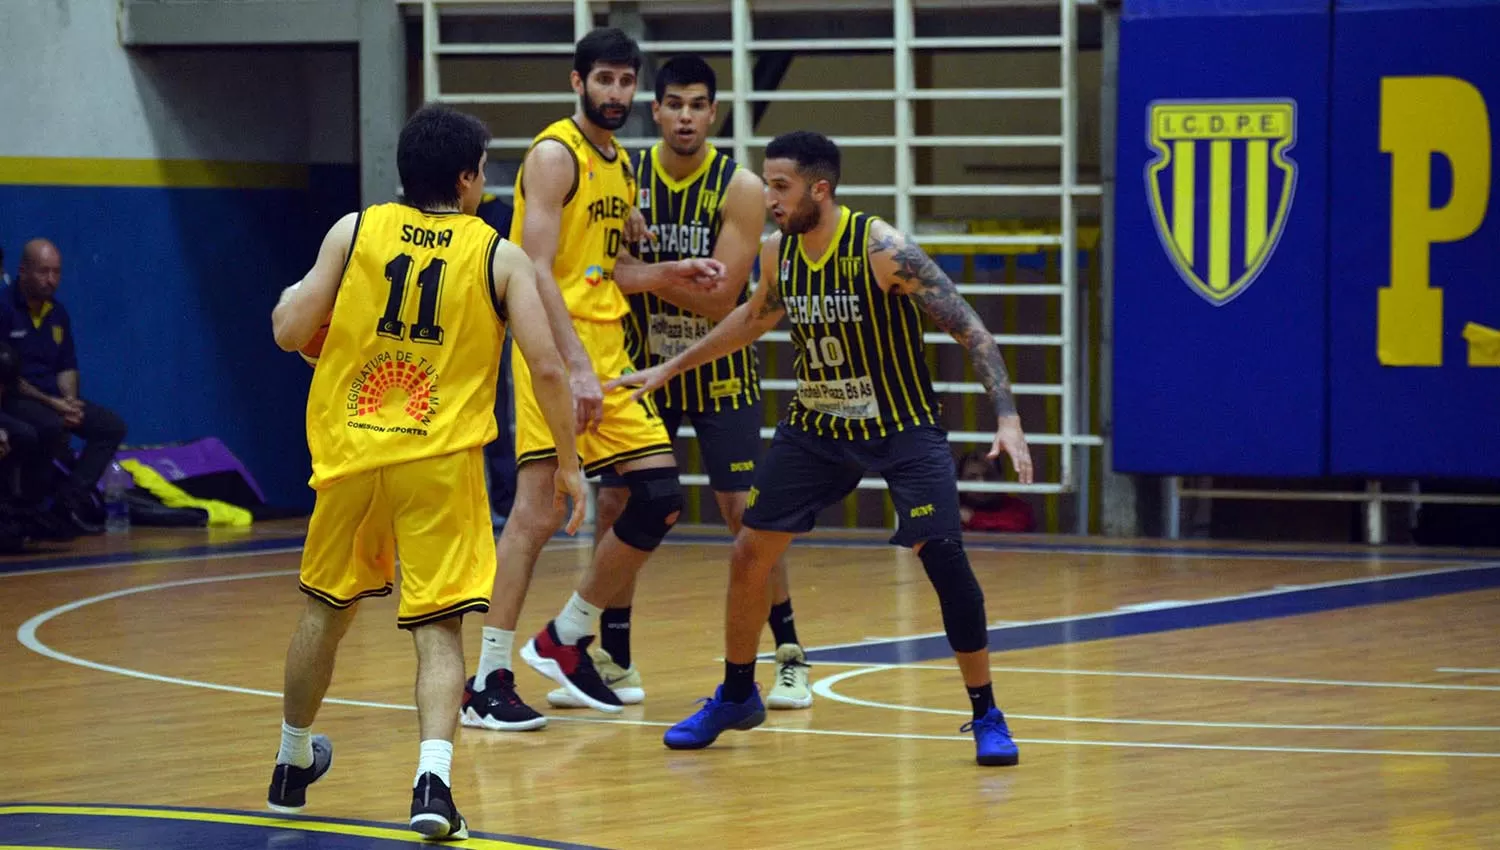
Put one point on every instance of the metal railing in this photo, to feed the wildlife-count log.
(902, 139)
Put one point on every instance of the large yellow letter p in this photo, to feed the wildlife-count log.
(1421, 116)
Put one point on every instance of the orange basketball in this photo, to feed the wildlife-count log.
(314, 348)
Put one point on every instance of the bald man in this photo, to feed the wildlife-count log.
(47, 396)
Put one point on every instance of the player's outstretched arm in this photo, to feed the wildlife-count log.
(633, 276)
(741, 327)
(901, 266)
(516, 287)
(306, 304)
(744, 218)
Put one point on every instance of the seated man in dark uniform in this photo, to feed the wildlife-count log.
(25, 472)
(47, 396)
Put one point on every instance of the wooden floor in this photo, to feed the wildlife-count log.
(1199, 696)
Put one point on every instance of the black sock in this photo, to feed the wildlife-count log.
(982, 699)
(783, 627)
(614, 634)
(739, 681)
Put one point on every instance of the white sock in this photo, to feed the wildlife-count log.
(576, 620)
(436, 759)
(296, 746)
(494, 653)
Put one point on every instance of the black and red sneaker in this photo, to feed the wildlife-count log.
(571, 667)
(496, 705)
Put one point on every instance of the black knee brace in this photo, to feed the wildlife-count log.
(959, 594)
(655, 501)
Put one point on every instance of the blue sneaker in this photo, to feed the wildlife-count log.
(715, 717)
(992, 739)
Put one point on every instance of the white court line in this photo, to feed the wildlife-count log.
(27, 635)
(1203, 677)
(1493, 670)
(825, 687)
(1075, 618)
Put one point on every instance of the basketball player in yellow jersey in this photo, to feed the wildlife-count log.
(855, 290)
(697, 202)
(416, 298)
(573, 199)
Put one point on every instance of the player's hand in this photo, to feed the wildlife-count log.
(1010, 439)
(71, 411)
(588, 399)
(568, 483)
(636, 229)
(704, 273)
(647, 380)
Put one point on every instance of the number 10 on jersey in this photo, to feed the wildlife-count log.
(830, 347)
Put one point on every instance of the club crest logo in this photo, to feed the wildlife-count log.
(1220, 188)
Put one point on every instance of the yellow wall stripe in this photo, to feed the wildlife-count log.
(1257, 184)
(1184, 175)
(151, 173)
(1220, 204)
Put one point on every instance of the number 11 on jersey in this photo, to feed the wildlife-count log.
(429, 287)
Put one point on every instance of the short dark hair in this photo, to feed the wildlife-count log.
(609, 45)
(437, 146)
(685, 71)
(816, 155)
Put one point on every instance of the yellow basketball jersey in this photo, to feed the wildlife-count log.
(409, 367)
(593, 225)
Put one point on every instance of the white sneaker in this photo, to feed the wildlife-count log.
(625, 683)
(791, 689)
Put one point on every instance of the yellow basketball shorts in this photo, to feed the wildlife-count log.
(631, 429)
(433, 512)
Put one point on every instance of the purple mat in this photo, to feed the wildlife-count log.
(177, 461)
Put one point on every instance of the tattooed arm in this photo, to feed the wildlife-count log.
(904, 268)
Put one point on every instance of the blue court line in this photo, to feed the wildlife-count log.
(1190, 615)
(132, 827)
(1019, 545)
(260, 544)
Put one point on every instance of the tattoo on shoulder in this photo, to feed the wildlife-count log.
(935, 294)
(926, 283)
(914, 268)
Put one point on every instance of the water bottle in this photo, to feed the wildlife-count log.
(116, 511)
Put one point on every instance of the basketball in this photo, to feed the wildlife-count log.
(314, 348)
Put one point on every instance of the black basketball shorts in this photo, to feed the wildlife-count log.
(801, 474)
(728, 441)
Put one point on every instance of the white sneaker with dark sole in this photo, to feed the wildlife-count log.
(791, 690)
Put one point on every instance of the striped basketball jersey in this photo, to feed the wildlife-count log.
(593, 224)
(860, 370)
(409, 366)
(686, 216)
